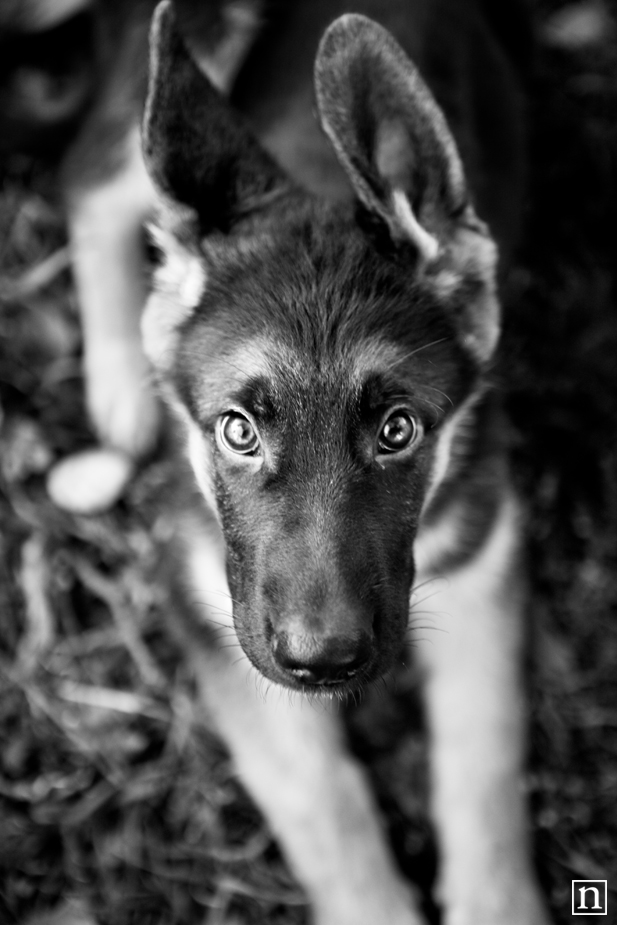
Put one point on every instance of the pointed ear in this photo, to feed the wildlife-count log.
(197, 150)
(389, 133)
(392, 139)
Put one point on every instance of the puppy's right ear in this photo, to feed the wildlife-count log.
(197, 150)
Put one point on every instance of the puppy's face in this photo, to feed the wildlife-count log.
(315, 353)
(315, 373)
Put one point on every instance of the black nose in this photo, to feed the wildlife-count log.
(313, 660)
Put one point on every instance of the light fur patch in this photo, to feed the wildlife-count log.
(446, 282)
(472, 252)
(179, 284)
(394, 162)
(228, 363)
(376, 354)
(486, 577)
(434, 542)
(443, 451)
(197, 451)
(408, 225)
(470, 652)
(205, 559)
(200, 458)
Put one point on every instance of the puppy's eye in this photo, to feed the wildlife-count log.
(238, 434)
(398, 432)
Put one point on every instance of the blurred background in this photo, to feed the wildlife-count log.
(117, 804)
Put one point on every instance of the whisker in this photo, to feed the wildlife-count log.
(225, 594)
(427, 581)
(413, 607)
(434, 388)
(408, 356)
(414, 643)
(213, 610)
(220, 638)
(204, 615)
(434, 629)
(433, 404)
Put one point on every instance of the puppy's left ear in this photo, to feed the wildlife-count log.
(197, 149)
(388, 132)
(393, 141)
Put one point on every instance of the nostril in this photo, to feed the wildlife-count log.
(320, 661)
(306, 675)
(352, 666)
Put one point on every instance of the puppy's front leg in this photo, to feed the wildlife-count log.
(291, 757)
(476, 709)
(106, 215)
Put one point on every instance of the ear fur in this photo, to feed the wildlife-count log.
(393, 141)
(388, 133)
(197, 150)
(178, 284)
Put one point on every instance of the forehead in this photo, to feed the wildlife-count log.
(268, 377)
(314, 308)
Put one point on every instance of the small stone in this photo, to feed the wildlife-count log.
(579, 25)
(89, 482)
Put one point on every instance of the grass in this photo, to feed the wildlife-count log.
(113, 790)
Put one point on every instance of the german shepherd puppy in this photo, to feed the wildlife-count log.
(324, 323)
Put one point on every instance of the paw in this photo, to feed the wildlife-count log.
(121, 402)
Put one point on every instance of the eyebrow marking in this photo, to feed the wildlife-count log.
(376, 355)
(226, 372)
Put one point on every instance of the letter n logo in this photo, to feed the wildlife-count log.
(589, 897)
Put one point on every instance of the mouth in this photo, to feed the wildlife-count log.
(342, 690)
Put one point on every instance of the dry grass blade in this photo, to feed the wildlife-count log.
(104, 698)
(113, 594)
(39, 630)
(36, 278)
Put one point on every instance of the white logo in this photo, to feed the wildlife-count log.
(589, 897)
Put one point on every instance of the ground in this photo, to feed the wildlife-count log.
(112, 788)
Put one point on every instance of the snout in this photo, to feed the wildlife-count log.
(314, 611)
(314, 660)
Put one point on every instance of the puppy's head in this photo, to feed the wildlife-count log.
(316, 351)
